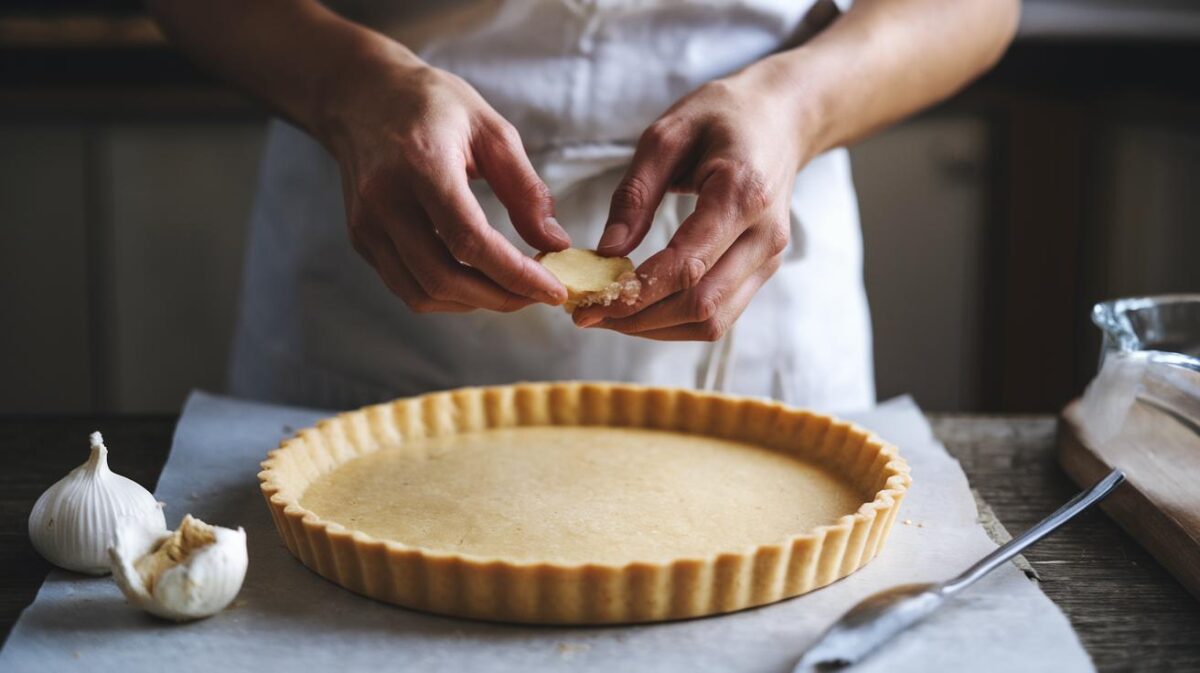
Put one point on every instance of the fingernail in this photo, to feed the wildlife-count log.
(589, 321)
(614, 236)
(555, 231)
(552, 298)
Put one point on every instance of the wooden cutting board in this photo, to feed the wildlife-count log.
(1160, 503)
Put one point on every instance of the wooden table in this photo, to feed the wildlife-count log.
(1130, 614)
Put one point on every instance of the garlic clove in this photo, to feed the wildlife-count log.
(193, 572)
(73, 522)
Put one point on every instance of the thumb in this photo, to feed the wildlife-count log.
(501, 160)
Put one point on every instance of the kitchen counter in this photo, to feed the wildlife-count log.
(1129, 613)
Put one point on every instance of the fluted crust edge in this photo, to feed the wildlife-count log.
(552, 593)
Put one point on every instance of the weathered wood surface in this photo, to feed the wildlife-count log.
(1130, 614)
(1128, 611)
(1160, 504)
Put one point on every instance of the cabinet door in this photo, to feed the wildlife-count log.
(45, 357)
(921, 189)
(178, 200)
(1148, 206)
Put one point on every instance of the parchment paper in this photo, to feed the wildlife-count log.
(288, 618)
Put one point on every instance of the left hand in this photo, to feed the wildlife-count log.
(735, 144)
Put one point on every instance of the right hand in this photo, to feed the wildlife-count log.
(408, 138)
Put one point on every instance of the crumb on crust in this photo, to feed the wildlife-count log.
(624, 289)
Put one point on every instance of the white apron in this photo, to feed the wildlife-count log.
(581, 80)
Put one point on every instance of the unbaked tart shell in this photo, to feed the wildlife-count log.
(555, 593)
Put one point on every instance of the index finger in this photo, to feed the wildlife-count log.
(501, 160)
(461, 224)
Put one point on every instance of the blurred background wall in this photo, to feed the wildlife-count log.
(1069, 174)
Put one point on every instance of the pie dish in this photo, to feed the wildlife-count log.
(591, 278)
(583, 503)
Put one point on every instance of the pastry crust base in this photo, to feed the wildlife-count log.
(550, 593)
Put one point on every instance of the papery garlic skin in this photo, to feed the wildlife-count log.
(72, 524)
(201, 583)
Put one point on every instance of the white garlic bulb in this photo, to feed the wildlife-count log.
(191, 573)
(73, 522)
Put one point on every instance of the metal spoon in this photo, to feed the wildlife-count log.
(877, 618)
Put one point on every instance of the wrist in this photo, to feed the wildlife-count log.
(356, 76)
(789, 84)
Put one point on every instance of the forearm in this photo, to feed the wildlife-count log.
(884, 60)
(291, 54)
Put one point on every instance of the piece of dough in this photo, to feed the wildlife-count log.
(591, 278)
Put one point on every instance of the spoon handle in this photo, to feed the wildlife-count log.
(1043, 528)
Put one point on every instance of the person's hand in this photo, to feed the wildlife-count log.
(737, 147)
(408, 137)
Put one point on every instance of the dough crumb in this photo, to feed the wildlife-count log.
(624, 289)
(592, 279)
(569, 650)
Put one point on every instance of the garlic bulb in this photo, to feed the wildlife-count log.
(191, 573)
(73, 522)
